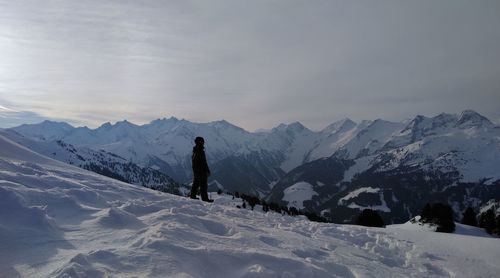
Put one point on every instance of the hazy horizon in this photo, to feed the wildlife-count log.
(255, 64)
(259, 129)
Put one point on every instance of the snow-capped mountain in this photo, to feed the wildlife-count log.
(447, 158)
(166, 145)
(46, 130)
(241, 161)
(431, 154)
(101, 162)
(57, 220)
(468, 144)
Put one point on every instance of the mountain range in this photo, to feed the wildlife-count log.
(57, 220)
(393, 167)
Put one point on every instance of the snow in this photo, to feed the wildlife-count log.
(360, 165)
(57, 220)
(333, 137)
(296, 194)
(353, 205)
(467, 143)
(460, 229)
(473, 241)
(491, 204)
(382, 207)
(296, 153)
(355, 193)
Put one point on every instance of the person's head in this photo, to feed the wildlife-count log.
(199, 141)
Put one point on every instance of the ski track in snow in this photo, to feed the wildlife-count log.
(61, 221)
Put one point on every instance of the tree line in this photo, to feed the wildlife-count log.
(436, 214)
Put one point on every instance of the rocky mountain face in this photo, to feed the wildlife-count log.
(391, 167)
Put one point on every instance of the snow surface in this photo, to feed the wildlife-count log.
(57, 220)
(355, 193)
(460, 229)
(360, 165)
(382, 207)
(296, 194)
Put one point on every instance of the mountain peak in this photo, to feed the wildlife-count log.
(416, 123)
(105, 125)
(46, 130)
(49, 124)
(63, 125)
(162, 120)
(297, 126)
(223, 124)
(292, 127)
(119, 124)
(470, 118)
(124, 123)
(340, 125)
(444, 120)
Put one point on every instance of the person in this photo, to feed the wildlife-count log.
(201, 172)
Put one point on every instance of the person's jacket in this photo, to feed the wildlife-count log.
(199, 161)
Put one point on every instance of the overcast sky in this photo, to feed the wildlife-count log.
(254, 63)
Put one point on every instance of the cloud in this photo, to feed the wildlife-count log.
(11, 118)
(254, 63)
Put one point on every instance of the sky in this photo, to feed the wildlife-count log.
(253, 63)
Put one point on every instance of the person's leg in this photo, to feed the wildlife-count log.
(204, 188)
(194, 187)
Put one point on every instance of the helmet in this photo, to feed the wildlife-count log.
(199, 140)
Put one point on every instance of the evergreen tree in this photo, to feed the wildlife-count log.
(439, 214)
(370, 218)
(487, 221)
(443, 215)
(284, 210)
(469, 217)
(294, 211)
(426, 213)
(275, 207)
(316, 218)
(252, 201)
(265, 208)
(498, 225)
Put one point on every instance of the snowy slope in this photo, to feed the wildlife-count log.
(296, 194)
(101, 162)
(469, 144)
(46, 130)
(452, 159)
(61, 221)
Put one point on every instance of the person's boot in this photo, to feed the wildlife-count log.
(193, 193)
(204, 197)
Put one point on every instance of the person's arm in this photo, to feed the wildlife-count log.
(206, 164)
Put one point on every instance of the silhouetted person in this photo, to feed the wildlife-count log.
(200, 170)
